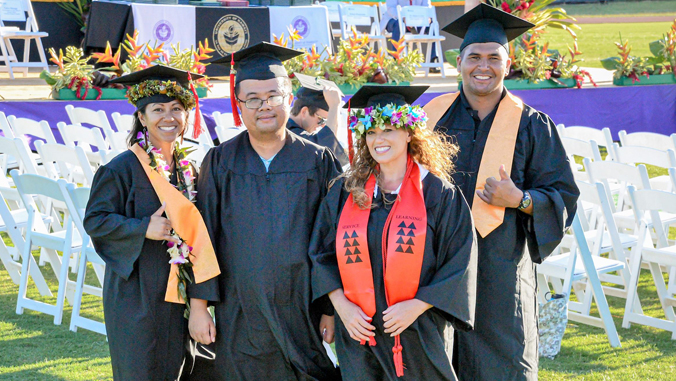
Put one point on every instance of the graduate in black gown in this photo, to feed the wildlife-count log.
(314, 116)
(405, 298)
(259, 194)
(145, 322)
(527, 180)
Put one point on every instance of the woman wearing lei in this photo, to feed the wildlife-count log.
(393, 245)
(143, 224)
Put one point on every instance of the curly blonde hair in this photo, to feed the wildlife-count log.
(429, 148)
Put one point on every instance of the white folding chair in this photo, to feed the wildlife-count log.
(107, 156)
(69, 163)
(648, 139)
(118, 141)
(15, 155)
(226, 133)
(352, 16)
(76, 199)
(422, 18)
(646, 155)
(5, 127)
(13, 223)
(123, 122)
(672, 176)
(580, 148)
(67, 241)
(603, 137)
(663, 254)
(82, 115)
(334, 16)
(77, 135)
(566, 267)
(30, 32)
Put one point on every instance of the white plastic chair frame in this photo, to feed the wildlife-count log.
(123, 122)
(602, 136)
(648, 139)
(353, 15)
(422, 17)
(77, 135)
(82, 115)
(30, 32)
(71, 162)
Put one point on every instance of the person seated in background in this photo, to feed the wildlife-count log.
(390, 23)
(314, 116)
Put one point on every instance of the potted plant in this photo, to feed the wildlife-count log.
(354, 63)
(656, 70)
(76, 78)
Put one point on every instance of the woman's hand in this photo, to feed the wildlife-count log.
(327, 328)
(159, 228)
(200, 323)
(401, 315)
(354, 319)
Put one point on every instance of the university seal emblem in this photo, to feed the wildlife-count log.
(301, 25)
(231, 34)
(163, 31)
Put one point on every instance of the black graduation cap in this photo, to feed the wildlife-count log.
(485, 23)
(310, 97)
(157, 72)
(375, 95)
(261, 61)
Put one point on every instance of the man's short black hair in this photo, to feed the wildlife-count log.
(298, 105)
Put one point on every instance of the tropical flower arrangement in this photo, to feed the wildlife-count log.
(76, 73)
(532, 60)
(354, 63)
(362, 120)
(179, 254)
(663, 60)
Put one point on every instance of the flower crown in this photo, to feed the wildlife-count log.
(154, 86)
(363, 120)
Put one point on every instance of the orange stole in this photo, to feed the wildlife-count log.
(499, 149)
(188, 223)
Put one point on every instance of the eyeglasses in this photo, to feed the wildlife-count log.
(322, 121)
(256, 103)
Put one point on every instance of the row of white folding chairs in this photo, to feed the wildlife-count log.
(37, 197)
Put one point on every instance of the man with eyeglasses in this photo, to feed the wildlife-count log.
(314, 116)
(258, 194)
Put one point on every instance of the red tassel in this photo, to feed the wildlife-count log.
(233, 98)
(372, 342)
(350, 144)
(398, 360)
(197, 127)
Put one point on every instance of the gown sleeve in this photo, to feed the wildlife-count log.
(208, 204)
(118, 239)
(326, 138)
(550, 182)
(452, 289)
(325, 274)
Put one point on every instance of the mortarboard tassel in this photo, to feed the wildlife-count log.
(350, 144)
(197, 127)
(233, 98)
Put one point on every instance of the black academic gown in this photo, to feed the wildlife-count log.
(146, 335)
(447, 281)
(503, 345)
(260, 223)
(324, 137)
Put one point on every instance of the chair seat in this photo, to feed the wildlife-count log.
(54, 239)
(663, 256)
(422, 38)
(556, 266)
(22, 34)
(627, 240)
(662, 183)
(625, 219)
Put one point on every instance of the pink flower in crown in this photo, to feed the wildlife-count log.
(395, 117)
(368, 110)
(353, 120)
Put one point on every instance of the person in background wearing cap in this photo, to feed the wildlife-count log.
(314, 109)
(259, 194)
(139, 211)
(516, 176)
(393, 246)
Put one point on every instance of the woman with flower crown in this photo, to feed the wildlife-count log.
(393, 245)
(143, 223)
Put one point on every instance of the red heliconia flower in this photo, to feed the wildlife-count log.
(505, 7)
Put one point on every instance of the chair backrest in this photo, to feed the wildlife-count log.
(333, 8)
(79, 196)
(35, 185)
(352, 15)
(581, 148)
(28, 15)
(81, 115)
(123, 122)
(107, 156)
(672, 176)
(652, 202)
(603, 137)
(118, 141)
(5, 127)
(646, 155)
(17, 149)
(416, 16)
(648, 139)
(596, 194)
(626, 174)
(68, 160)
(77, 135)
(25, 126)
(223, 119)
(227, 133)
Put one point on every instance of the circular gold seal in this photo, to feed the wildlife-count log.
(231, 34)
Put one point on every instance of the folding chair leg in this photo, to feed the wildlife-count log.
(77, 299)
(63, 285)
(672, 281)
(41, 52)
(632, 287)
(662, 291)
(542, 285)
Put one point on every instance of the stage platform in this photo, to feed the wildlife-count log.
(635, 108)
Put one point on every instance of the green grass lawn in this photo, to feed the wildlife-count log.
(620, 8)
(597, 41)
(33, 348)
